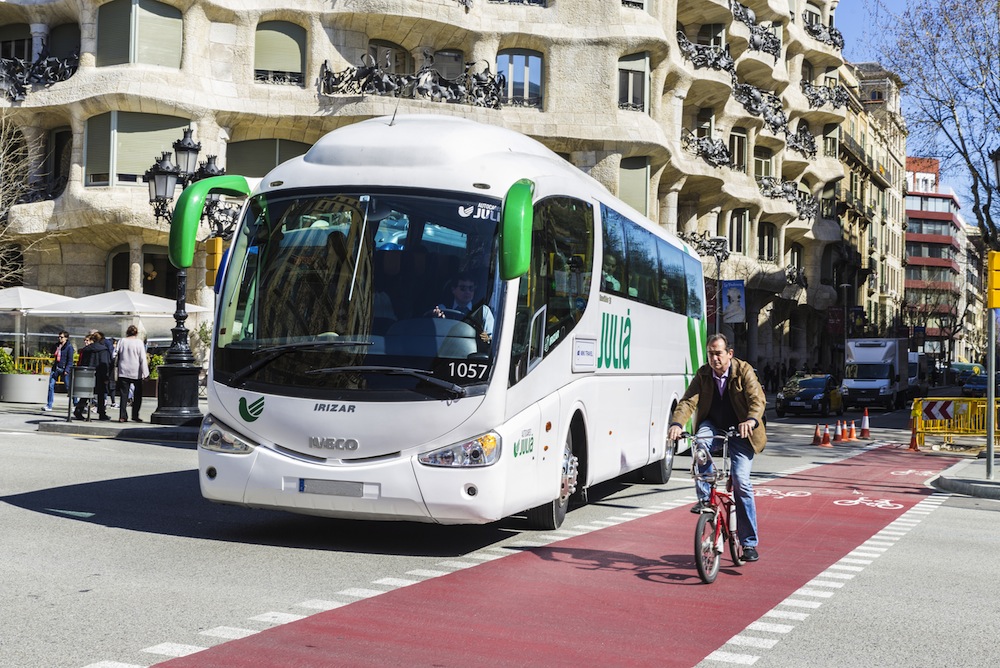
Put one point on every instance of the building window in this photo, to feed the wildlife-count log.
(795, 255)
(390, 57)
(807, 71)
(139, 31)
(279, 53)
(831, 140)
(633, 72)
(15, 41)
(712, 34)
(256, 157)
(449, 63)
(704, 123)
(522, 70)
(159, 277)
(763, 159)
(812, 15)
(58, 160)
(738, 231)
(633, 183)
(738, 144)
(766, 242)
(125, 144)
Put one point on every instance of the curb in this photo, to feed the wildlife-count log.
(130, 433)
(949, 482)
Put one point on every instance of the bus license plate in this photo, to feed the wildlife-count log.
(331, 487)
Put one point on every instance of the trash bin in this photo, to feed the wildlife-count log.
(82, 381)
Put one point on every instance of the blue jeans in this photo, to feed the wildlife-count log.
(53, 377)
(741, 460)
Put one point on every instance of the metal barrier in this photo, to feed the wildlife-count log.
(36, 365)
(949, 417)
(83, 380)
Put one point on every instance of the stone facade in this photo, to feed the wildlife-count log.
(714, 118)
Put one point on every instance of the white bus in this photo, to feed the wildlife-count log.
(347, 381)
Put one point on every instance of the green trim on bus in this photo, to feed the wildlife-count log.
(515, 230)
(187, 214)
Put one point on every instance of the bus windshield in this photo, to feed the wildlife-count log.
(330, 293)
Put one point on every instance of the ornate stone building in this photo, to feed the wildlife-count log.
(715, 118)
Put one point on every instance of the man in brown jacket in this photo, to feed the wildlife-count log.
(726, 393)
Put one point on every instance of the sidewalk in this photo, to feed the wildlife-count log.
(968, 477)
(31, 417)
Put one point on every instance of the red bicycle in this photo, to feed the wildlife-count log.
(717, 523)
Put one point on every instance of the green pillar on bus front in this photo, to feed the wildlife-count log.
(515, 230)
(187, 214)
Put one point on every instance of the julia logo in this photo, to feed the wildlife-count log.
(253, 411)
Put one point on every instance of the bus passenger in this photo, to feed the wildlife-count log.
(725, 392)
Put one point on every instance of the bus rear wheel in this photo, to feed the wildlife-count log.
(550, 516)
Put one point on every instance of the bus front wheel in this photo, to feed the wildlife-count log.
(550, 516)
(658, 473)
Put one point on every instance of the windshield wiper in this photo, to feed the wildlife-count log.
(272, 353)
(452, 388)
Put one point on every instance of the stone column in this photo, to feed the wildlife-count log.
(135, 259)
(39, 35)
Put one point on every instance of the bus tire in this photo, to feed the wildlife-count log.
(549, 516)
(658, 473)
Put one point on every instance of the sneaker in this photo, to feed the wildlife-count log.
(46, 408)
(750, 553)
(701, 507)
(104, 418)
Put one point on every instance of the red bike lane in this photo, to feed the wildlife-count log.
(625, 595)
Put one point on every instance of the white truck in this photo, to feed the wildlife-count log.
(917, 375)
(876, 373)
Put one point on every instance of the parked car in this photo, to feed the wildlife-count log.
(975, 386)
(810, 393)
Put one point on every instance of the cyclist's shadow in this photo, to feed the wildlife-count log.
(668, 569)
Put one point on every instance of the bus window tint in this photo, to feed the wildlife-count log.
(613, 270)
(695, 287)
(642, 264)
(558, 280)
(672, 284)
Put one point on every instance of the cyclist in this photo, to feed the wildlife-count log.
(725, 392)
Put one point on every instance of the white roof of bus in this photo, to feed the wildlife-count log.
(424, 151)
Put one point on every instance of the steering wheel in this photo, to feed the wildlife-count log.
(455, 314)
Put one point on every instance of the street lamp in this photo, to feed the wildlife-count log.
(843, 289)
(177, 391)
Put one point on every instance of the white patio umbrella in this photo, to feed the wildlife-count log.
(20, 301)
(119, 302)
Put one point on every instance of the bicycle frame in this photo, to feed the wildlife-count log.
(719, 525)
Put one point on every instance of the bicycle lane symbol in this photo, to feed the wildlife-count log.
(778, 494)
(922, 474)
(884, 504)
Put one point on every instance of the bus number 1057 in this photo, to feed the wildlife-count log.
(467, 370)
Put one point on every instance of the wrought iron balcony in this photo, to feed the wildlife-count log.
(805, 204)
(479, 89)
(761, 38)
(763, 104)
(703, 55)
(835, 96)
(796, 276)
(803, 142)
(825, 34)
(17, 75)
(712, 151)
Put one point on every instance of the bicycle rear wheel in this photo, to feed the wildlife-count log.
(705, 556)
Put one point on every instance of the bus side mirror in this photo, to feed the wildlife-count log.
(187, 214)
(515, 230)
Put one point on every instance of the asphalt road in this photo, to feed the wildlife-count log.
(110, 558)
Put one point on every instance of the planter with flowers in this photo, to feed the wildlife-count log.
(149, 384)
(20, 386)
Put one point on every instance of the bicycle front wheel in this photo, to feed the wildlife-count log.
(735, 549)
(705, 555)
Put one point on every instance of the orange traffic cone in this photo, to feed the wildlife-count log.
(838, 435)
(913, 439)
(817, 438)
(825, 443)
(852, 435)
(865, 431)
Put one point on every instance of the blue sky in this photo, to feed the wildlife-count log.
(856, 20)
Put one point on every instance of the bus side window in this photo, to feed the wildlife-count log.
(672, 281)
(613, 269)
(553, 294)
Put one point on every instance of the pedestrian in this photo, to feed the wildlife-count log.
(62, 368)
(726, 393)
(95, 356)
(768, 377)
(133, 368)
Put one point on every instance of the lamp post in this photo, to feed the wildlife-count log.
(177, 391)
(843, 290)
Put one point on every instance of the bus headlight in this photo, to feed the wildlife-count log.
(480, 451)
(217, 437)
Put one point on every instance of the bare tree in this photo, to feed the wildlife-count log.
(17, 185)
(946, 52)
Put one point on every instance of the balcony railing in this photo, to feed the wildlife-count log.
(818, 96)
(761, 38)
(822, 33)
(803, 142)
(763, 104)
(703, 55)
(479, 89)
(713, 151)
(17, 75)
